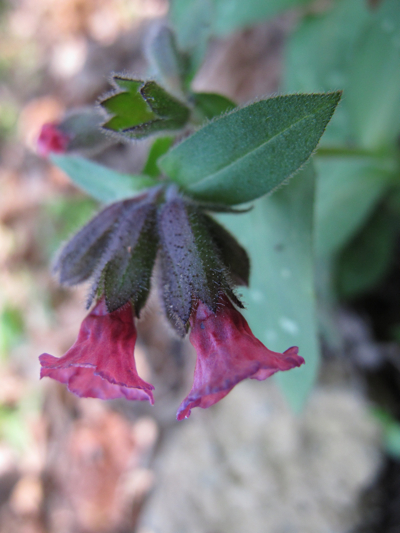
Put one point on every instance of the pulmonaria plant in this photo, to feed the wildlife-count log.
(156, 233)
(199, 266)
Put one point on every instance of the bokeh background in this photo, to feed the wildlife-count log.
(85, 466)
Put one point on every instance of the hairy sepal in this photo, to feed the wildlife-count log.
(79, 258)
(191, 267)
(137, 109)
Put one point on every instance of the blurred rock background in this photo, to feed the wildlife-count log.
(83, 466)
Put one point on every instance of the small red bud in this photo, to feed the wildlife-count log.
(52, 140)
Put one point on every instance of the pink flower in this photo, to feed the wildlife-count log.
(52, 140)
(101, 364)
(227, 353)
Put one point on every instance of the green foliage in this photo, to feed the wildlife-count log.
(100, 182)
(159, 147)
(374, 79)
(348, 190)
(251, 151)
(193, 18)
(212, 105)
(11, 328)
(167, 63)
(367, 256)
(277, 234)
(139, 109)
(318, 56)
(391, 431)
(357, 49)
(231, 15)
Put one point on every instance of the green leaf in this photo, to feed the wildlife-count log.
(277, 234)
(347, 192)
(212, 105)
(102, 183)
(374, 85)
(318, 54)
(159, 147)
(391, 431)
(191, 20)
(366, 258)
(166, 61)
(251, 151)
(142, 109)
(233, 14)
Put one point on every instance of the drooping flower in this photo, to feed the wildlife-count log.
(52, 140)
(101, 363)
(199, 266)
(227, 353)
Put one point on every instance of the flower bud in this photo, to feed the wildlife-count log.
(78, 131)
(52, 140)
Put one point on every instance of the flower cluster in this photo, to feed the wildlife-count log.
(199, 264)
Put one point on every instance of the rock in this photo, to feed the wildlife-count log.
(249, 464)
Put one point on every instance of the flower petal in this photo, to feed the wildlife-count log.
(101, 364)
(227, 353)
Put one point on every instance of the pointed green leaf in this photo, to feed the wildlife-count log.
(212, 105)
(223, 16)
(102, 183)
(233, 14)
(251, 151)
(348, 190)
(191, 20)
(166, 61)
(318, 54)
(277, 234)
(374, 85)
(159, 147)
(366, 258)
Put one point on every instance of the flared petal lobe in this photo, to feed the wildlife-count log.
(101, 364)
(227, 353)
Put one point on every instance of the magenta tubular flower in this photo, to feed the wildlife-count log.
(52, 140)
(101, 364)
(227, 353)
